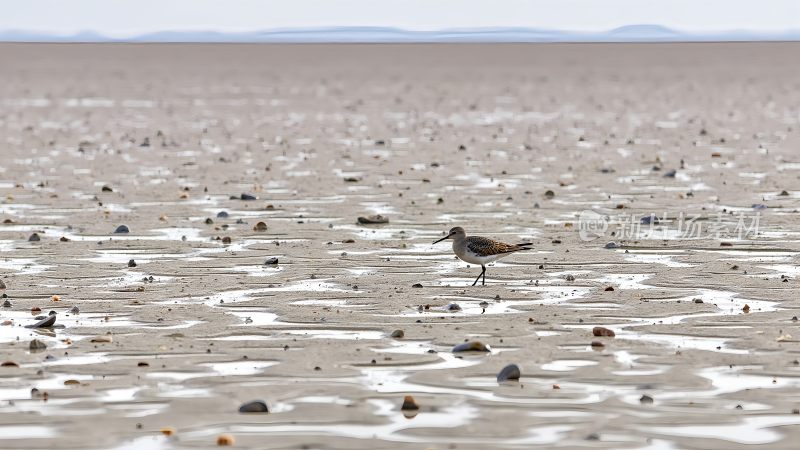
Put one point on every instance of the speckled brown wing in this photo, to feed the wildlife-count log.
(487, 247)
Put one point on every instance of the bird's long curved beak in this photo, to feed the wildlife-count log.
(440, 240)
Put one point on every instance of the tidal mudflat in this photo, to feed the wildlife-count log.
(189, 213)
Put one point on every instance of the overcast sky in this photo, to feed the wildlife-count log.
(120, 18)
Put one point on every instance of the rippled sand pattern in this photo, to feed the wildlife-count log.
(430, 137)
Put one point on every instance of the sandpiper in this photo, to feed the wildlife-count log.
(480, 250)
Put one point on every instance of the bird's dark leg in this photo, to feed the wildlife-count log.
(483, 272)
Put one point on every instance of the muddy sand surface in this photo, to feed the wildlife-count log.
(179, 321)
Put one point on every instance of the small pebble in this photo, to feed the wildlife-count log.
(255, 406)
(122, 229)
(409, 404)
(34, 238)
(131, 263)
(471, 346)
(646, 400)
(416, 285)
(509, 372)
(222, 215)
(273, 261)
(398, 334)
(377, 218)
(247, 197)
(603, 331)
(74, 310)
(225, 440)
(260, 226)
(611, 244)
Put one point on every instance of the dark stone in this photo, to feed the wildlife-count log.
(34, 238)
(471, 346)
(416, 285)
(256, 406)
(122, 229)
(646, 400)
(670, 173)
(131, 263)
(273, 261)
(247, 197)
(377, 218)
(47, 322)
(509, 372)
(222, 215)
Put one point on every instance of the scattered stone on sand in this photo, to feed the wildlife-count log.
(409, 404)
(509, 372)
(375, 219)
(226, 240)
(209, 221)
(569, 277)
(247, 197)
(7, 303)
(2, 285)
(398, 334)
(416, 285)
(168, 431)
(670, 173)
(143, 364)
(74, 310)
(47, 322)
(37, 346)
(106, 188)
(222, 215)
(611, 244)
(102, 339)
(549, 194)
(131, 263)
(646, 400)
(260, 226)
(746, 308)
(255, 406)
(122, 229)
(225, 440)
(9, 364)
(471, 346)
(453, 307)
(34, 238)
(598, 344)
(603, 331)
(784, 193)
(609, 289)
(697, 300)
(272, 261)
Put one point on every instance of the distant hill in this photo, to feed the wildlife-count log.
(630, 33)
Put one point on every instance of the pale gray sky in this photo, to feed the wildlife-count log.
(121, 18)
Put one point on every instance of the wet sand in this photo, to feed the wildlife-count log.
(430, 136)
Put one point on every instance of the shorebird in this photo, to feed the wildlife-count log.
(480, 250)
